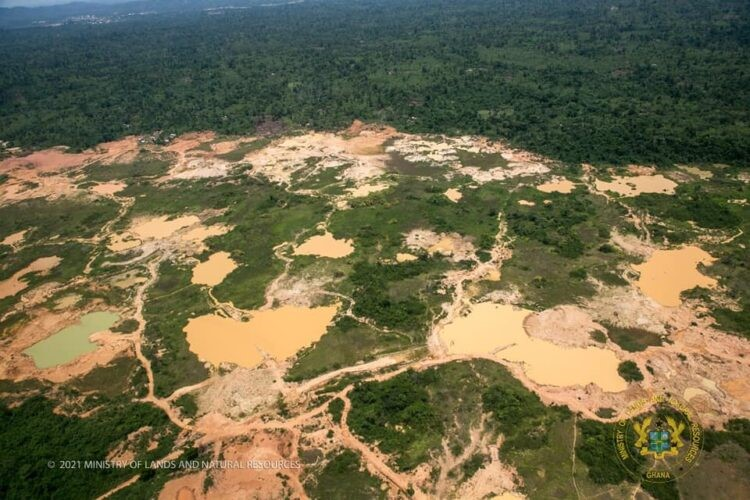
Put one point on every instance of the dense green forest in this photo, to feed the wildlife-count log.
(579, 80)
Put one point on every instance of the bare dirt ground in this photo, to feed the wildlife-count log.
(238, 407)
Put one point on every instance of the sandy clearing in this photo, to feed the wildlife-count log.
(67, 301)
(668, 273)
(161, 227)
(280, 333)
(127, 279)
(366, 190)
(325, 245)
(47, 161)
(191, 140)
(499, 329)
(122, 242)
(701, 174)
(566, 325)
(454, 195)
(15, 238)
(15, 283)
(451, 245)
(526, 203)
(557, 186)
(633, 186)
(214, 270)
(108, 189)
(201, 233)
(405, 257)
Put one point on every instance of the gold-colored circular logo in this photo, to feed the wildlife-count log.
(659, 439)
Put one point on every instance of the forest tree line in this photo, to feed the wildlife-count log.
(579, 80)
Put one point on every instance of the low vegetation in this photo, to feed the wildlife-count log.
(32, 436)
(344, 344)
(145, 165)
(170, 303)
(342, 478)
(630, 371)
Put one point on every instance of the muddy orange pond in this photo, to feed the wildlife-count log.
(668, 273)
(278, 333)
(498, 330)
(214, 270)
(325, 245)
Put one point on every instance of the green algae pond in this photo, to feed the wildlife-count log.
(72, 341)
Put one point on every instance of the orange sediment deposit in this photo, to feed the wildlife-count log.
(635, 185)
(493, 329)
(214, 270)
(47, 161)
(668, 273)
(279, 333)
(557, 186)
(15, 283)
(325, 245)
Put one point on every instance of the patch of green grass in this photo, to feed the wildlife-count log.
(632, 339)
(128, 325)
(724, 469)
(169, 304)
(188, 405)
(557, 245)
(11, 322)
(661, 491)
(630, 371)
(598, 336)
(605, 412)
(736, 429)
(520, 414)
(343, 479)
(388, 294)
(378, 222)
(410, 414)
(336, 409)
(64, 217)
(144, 165)
(73, 257)
(484, 161)
(344, 344)
(546, 470)
(473, 464)
(110, 380)
(399, 415)
(698, 202)
(595, 448)
(243, 149)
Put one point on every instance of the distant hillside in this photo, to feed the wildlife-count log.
(107, 11)
(578, 80)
